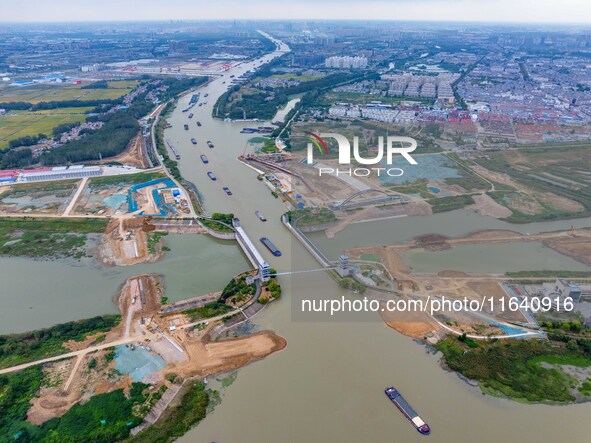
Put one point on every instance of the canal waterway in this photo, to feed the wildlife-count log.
(39, 293)
(327, 385)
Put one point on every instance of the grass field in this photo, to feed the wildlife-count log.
(55, 238)
(58, 111)
(15, 126)
(131, 179)
(49, 93)
(301, 78)
(43, 343)
(22, 123)
(558, 179)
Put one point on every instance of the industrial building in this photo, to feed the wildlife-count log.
(8, 176)
(557, 292)
(60, 173)
(566, 289)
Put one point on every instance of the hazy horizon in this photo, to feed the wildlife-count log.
(575, 12)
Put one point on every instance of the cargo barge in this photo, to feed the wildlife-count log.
(171, 147)
(407, 410)
(249, 130)
(270, 246)
(260, 215)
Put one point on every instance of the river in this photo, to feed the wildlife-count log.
(451, 224)
(496, 258)
(327, 385)
(40, 293)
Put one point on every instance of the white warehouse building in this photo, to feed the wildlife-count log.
(61, 172)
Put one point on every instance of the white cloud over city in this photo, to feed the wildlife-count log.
(532, 11)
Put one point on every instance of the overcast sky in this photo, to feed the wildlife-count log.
(547, 11)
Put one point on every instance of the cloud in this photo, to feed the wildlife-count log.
(553, 11)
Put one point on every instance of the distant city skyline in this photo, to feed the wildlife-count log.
(504, 11)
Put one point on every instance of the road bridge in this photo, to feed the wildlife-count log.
(351, 202)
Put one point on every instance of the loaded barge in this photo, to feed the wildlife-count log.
(171, 147)
(270, 246)
(407, 410)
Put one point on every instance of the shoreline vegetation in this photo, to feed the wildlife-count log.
(104, 418)
(225, 221)
(170, 164)
(532, 371)
(181, 416)
(556, 370)
(16, 349)
(34, 345)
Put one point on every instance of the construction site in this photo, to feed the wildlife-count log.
(149, 194)
(125, 242)
(150, 343)
(497, 289)
(37, 198)
(143, 193)
(135, 154)
(132, 240)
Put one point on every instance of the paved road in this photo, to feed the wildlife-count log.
(156, 113)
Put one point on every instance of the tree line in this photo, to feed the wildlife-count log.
(43, 106)
(109, 140)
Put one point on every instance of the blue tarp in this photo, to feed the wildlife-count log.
(132, 204)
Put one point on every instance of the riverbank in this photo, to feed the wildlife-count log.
(127, 241)
(531, 371)
(47, 238)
